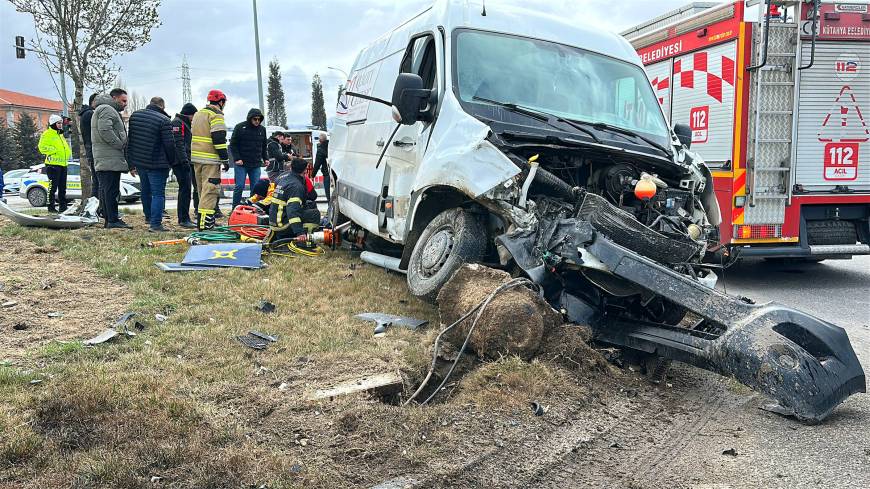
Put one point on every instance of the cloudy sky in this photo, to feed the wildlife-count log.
(305, 36)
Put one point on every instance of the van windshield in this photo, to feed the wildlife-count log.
(565, 81)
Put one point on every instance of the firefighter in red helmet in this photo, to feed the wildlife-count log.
(208, 153)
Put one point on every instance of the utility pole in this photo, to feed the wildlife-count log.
(259, 71)
(186, 97)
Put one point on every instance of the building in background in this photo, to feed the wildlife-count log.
(13, 104)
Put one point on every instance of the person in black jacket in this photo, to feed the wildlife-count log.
(151, 150)
(290, 204)
(278, 154)
(86, 113)
(248, 147)
(183, 169)
(321, 163)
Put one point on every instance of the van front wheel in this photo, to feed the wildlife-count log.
(454, 237)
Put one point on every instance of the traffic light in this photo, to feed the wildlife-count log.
(19, 47)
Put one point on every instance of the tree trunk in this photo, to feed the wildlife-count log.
(84, 163)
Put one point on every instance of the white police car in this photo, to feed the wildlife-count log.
(34, 185)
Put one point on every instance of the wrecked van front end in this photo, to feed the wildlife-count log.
(612, 214)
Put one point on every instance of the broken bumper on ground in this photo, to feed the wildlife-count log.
(806, 364)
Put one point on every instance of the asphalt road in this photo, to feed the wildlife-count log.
(774, 451)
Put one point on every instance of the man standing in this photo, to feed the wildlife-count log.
(321, 163)
(182, 168)
(109, 139)
(151, 150)
(86, 113)
(57, 153)
(277, 154)
(208, 152)
(248, 147)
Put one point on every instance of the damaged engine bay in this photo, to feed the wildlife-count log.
(628, 244)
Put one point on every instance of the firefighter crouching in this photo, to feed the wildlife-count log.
(208, 153)
(292, 205)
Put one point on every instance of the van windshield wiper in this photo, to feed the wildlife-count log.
(625, 132)
(540, 115)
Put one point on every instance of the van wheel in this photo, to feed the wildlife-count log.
(454, 237)
(37, 196)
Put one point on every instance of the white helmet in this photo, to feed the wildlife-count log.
(54, 119)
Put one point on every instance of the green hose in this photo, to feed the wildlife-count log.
(224, 234)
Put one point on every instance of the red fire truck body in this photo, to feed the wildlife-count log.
(781, 113)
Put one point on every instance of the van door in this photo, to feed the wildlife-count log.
(407, 147)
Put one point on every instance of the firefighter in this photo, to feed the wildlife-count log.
(208, 153)
(57, 153)
(291, 204)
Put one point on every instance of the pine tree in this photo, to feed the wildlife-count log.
(318, 111)
(277, 113)
(9, 148)
(26, 137)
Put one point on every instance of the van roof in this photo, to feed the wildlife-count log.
(508, 16)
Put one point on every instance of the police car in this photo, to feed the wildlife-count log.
(34, 185)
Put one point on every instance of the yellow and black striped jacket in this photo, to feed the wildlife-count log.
(209, 141)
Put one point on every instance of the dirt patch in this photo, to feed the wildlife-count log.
(514, 323)
(48, 298)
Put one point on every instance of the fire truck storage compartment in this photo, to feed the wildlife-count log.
(833, 148)
(703, 97)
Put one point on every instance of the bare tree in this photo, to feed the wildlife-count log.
(85, 35)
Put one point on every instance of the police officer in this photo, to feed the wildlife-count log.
(57, 153)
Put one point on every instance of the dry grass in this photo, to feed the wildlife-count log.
(185, 402)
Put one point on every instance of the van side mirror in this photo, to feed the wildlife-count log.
(410, 99)
(684, 134)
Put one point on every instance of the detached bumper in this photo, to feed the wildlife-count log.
(804, 363)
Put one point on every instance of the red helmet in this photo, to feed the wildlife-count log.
(216, 96)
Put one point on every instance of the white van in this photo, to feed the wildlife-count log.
(505, 114)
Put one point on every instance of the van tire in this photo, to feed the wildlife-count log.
(454, 237)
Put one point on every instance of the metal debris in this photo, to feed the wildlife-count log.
(256, 340)
(385, 320)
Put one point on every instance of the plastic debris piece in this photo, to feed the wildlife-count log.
(101, 338)
(160, 317)
(55, 314)
(265, 306)
(263, 336)
(388, 319)
(178, 267)
(252, 342)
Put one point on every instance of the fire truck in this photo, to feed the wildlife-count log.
(777, 96)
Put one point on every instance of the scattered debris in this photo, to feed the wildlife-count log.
(537, 409)
(263, 336)
(155, 479)
(35, 381)
(385, 320)
(160, 317)
(47, 284)
(8, 303)
(51, 221)
(19, 326)
(731, 451)
(256, 340)
(178, 267)
(380, 384)
(55, 314)
(101, 338)
(265, 306)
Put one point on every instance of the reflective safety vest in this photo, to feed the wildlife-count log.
(209, 136)
(55, 148)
